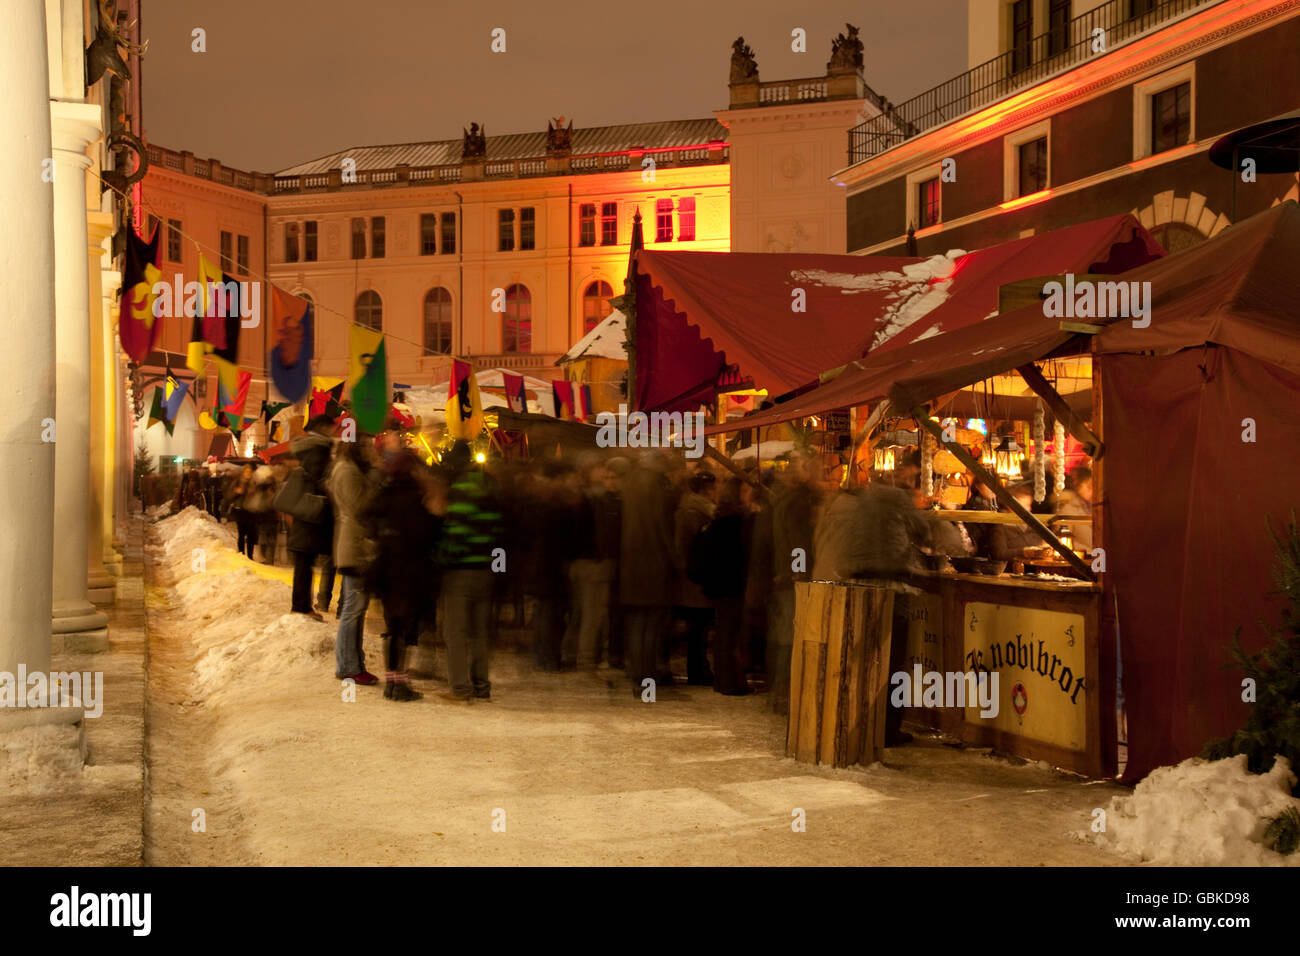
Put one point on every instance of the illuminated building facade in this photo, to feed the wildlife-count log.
(1072, 111)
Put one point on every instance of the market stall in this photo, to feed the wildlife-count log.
(1191, 430)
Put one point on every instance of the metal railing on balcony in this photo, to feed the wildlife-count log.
(1064, 46)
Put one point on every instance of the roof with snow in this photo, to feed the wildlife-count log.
(606, 340)
(671, 134)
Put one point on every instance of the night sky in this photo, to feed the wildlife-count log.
(284, 81)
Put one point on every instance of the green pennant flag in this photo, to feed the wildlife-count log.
(158, 413)
(370, 398)
(271, 409)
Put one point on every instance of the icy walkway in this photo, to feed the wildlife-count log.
(249, 726)
(93, 817)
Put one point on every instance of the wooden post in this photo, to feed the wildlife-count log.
(873, 420)
(1064, 414)
(992, 481)
(730, 465)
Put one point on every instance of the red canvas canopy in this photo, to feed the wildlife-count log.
(1187, 496)
(697, 312)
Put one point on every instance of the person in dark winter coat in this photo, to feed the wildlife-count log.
(551, 513)
(646, 568)
(981, 498)
(694, 512)
(310, 539)
(597, 518)
(406, 533)
(245, 520)
(722, 556)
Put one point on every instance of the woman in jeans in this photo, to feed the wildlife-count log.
(351, 485)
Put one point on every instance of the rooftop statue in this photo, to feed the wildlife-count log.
(846, 51)
(743, 65)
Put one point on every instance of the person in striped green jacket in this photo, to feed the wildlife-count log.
(471, 554)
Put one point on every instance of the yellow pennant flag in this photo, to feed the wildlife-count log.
(464, 407)
(207, 273)
(363, 343)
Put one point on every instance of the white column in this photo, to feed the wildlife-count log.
(27, 364)
(101, 584)
(76, 622)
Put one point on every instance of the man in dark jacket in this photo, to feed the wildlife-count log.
(551, 515)
(308, 539)
(693, 514)
(646, 567)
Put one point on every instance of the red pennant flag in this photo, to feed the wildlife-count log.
(515, 397)
(563, 394)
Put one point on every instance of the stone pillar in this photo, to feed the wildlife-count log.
(76, 622)
(102, 560)
(28, 363)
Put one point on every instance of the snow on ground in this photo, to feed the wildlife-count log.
(248, 724)
(1201, 813)
(38, 759)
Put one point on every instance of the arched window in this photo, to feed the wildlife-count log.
(517, 322)
(1177, 236)
(370, 310)
(595, 305)
(437, 322)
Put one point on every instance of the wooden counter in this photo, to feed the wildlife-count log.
(1055, 683)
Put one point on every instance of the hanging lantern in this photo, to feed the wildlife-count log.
(988, 459)
(1008, 457)
(883, 459)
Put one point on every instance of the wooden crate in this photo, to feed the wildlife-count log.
(839, 673)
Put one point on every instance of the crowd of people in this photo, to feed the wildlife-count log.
(608, 560)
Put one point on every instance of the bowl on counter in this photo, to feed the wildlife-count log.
(967, 564)
(936, 562)
(991, 567)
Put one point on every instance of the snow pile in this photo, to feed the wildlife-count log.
(233, 613)
(270, 653)
(1202, 813)
(915, 292)
(187, 532)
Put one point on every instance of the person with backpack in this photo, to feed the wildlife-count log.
(694, 512)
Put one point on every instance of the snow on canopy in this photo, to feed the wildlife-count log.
(784, 319)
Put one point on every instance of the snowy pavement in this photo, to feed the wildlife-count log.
(251, 737)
